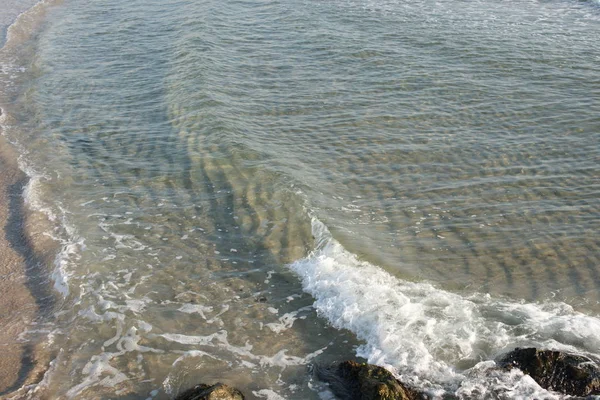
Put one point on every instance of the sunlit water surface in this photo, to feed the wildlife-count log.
(243, 188)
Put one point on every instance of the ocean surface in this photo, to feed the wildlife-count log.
(240, 189)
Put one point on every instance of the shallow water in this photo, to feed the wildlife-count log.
(243, 188)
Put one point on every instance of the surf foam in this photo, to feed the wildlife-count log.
(59, 230)
(432, 338)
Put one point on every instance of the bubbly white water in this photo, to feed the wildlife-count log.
(430, 337)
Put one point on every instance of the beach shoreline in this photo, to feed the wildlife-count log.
(198, 193)
(26, 254)
(17, 302)
(11, 9)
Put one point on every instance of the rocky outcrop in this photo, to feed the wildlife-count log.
(218, 391)
(350, 380)
(571, 374)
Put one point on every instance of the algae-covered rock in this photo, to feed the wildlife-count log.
(571, 374)
(218, 391)
(350, 380)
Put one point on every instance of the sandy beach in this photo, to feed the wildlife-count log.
(26, 293)
(17, 303)
(18, 262)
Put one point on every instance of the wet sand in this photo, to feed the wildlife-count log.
(27, 298)
(26, 295)
(17, 304)
(26, 253)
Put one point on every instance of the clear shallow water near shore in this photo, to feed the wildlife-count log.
(243, 188)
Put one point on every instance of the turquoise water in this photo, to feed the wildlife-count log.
(243, 188)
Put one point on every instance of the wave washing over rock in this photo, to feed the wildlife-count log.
(434, 340)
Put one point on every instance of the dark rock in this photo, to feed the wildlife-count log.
(218, 391)
(571, 374)
(350, 380)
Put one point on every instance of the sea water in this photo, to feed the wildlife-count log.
(240, 189)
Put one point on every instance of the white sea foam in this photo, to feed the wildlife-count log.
(31, 190)
(286, 320)
(99, 372)
(171, 382)
(219, 339)
(191, 354)
(268, 394)
(71, 243)
(69, 253)
(194, 340)
(122, 241)
(224, 309)
(430, 337)
(195, 308)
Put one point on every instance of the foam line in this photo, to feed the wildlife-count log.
(429, 336)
